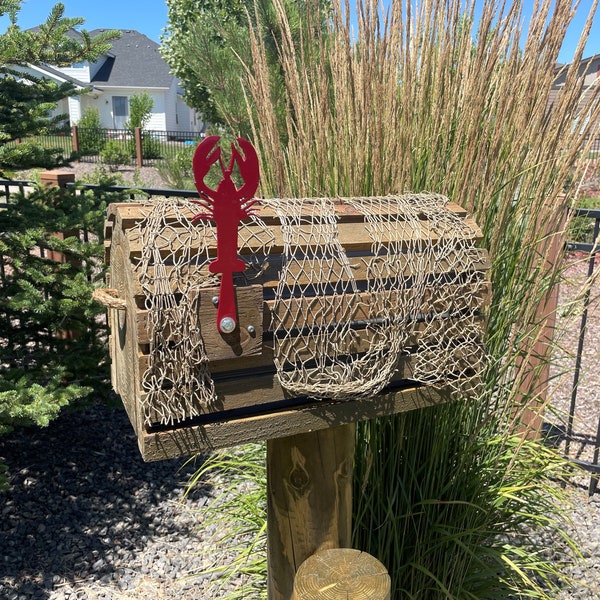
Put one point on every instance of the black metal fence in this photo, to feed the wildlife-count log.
(117, 146)
(10, 186)
(592, 248)
(120, 146)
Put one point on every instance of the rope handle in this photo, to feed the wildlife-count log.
(110, 298)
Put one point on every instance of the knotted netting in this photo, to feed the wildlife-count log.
(173, 267)
(347, 337)
(405, 303)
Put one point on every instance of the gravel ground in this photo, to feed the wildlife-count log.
(586, 512)
(86, 518)
(86, 171)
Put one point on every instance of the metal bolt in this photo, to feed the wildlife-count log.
(251, 329)
(227, 325)
(215, 300)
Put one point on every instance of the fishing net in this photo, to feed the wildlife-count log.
(343, 337)
(173, 267)
(406, 304)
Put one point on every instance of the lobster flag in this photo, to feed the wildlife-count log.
(226, 205)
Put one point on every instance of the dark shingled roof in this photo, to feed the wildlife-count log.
(133, 61)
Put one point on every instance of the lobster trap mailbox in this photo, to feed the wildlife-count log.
(288, 323)
(337, 310)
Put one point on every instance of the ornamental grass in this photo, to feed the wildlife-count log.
(452, 97)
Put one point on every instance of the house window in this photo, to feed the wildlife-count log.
(120, 105)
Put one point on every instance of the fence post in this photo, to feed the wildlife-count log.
(75, 138)
(536, 366)
(139, 158)
(58, 179)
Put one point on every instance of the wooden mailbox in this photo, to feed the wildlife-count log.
(350, 308)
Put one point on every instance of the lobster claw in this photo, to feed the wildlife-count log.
(248, 166)
(205, 156)
(209, 152)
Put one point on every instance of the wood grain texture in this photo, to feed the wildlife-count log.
(306, 312)
(188, 438)
(353, 236)
(256, 390)
(124, 334)
(309, 501)
(219, 346)
(242, 365)
(360, 268)
(131, 213)
(342, 574)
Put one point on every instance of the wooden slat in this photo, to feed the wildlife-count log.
(360, 268)
(360, 342)
(251, 390)
(306, 312)
(314, 416)
(126, 374)
(354, 237)
(130, 213)
(203, 311)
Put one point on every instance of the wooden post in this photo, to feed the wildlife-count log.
(341, 574)
(139, 157)
(57, 179)
(309, 501)
(75, 138)
(535, 382)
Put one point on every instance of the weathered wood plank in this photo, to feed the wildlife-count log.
(305, 312)
(359, 342)
(315, 416)
(219, 346)
(124, 351)
(241, 390)
(468, 260)
(352, 236)
(130, 213)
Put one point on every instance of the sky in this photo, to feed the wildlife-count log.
(150, 18)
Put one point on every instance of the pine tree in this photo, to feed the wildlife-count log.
(52, 348)
(26, 99)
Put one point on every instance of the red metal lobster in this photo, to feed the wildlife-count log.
(226, 206)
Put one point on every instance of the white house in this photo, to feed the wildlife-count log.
(589, 69)
(133, 65)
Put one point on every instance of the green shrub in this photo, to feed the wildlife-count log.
(92, 137)
(176, 171)
(52, 344)
(115, 153)
(100, 175)
(151, 147)
(582, 228)
(27, 155)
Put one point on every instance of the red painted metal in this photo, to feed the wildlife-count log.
(227, 205)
